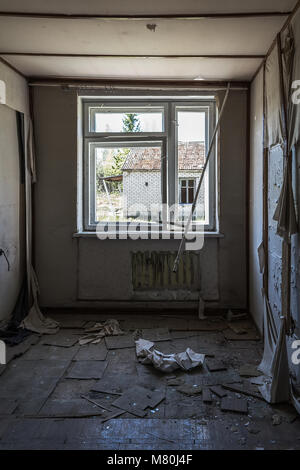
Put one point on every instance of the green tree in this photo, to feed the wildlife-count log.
(119, 160)
(131, 123)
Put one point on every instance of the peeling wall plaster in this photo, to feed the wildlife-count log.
(88, 272)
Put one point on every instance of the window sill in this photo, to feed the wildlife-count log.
(161, 235)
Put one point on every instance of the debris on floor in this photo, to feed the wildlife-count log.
(244, 389)
(249, 335)
(276, 420)
(261, 380)
(95, 403)
(235, 316)
(206, 396)
(94, 334)
(104, 381)
(235, 405)
(215, 366)
(219, 391)
(137, 399)
(186, 360)
(238, 330)
(175, 382)
(190, 390)
(248, 370)
(35, 320)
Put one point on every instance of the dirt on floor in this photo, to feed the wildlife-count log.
(56, 394)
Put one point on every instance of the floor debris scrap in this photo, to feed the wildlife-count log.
(123, 375)
(186, 360)
(235, 405)
(94, 334)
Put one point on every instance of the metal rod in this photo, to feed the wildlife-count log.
(146, 16)
(95, 403)
(132, 56)
(88, 82)
(175, 267)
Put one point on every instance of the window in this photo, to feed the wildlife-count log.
(187, 191)
(143, 157)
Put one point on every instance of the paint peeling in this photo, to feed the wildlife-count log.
(151, 27)
(153, 271)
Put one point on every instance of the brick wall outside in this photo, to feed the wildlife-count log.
(144, 187)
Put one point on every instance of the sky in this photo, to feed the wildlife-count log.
(191, 124)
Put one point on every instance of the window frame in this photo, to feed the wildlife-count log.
(169, 141)
(187, 187)
(89, 174)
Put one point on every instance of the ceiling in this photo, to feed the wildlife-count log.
(210, 48)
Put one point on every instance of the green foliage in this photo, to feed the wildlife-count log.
(119, 160)
(131, 123)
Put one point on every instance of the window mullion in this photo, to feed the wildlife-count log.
(172, 171)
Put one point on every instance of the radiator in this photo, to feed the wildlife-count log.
(154, 271)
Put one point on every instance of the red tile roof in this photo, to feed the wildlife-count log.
(191, 156)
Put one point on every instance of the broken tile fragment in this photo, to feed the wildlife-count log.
(236, 405)
(215, 366)
(137, 399)
(276, 420)
(248, 370)
(190, 390)
(250, 335)
(219, 391)
(175, 382)
(207, 396)
(244, 389)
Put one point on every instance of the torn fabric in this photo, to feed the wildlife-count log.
(275, 361)
(274, 129)
(295, 398)
(285, 213)
(186, 360)
(294, 111)
(288, 57)
(31, 151)
(261, 257)
(95, 333)
(35, 320)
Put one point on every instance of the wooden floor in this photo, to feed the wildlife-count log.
(41, 404)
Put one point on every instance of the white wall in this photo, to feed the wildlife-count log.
(11, 192)
(88, 272)
(144, 187)
(256, 199)
(141, 187)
